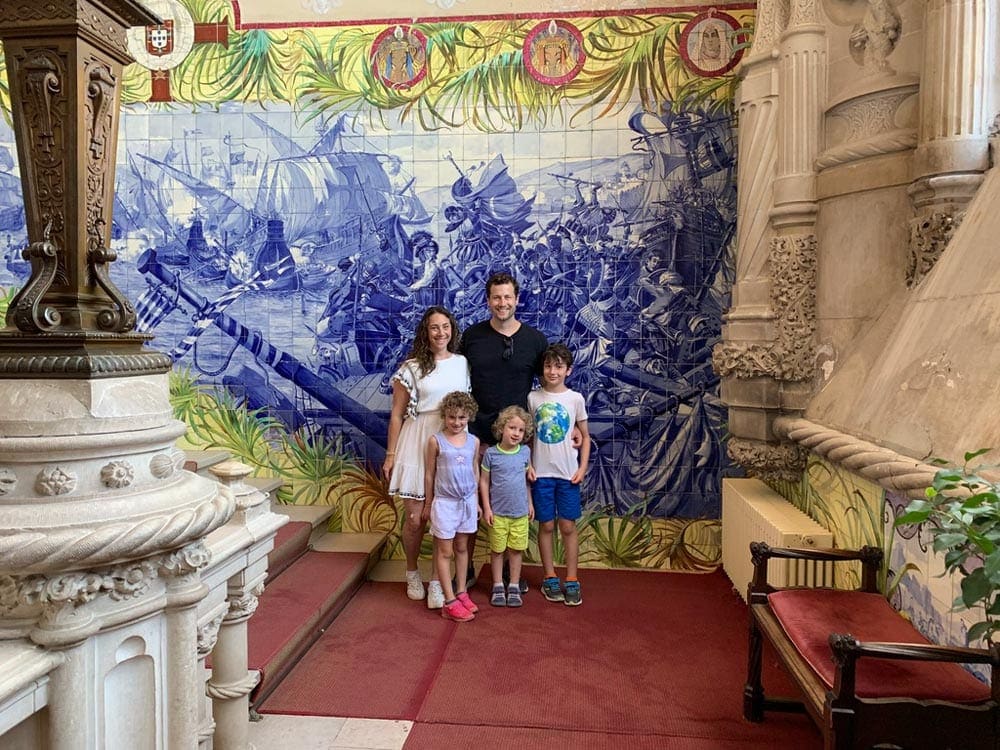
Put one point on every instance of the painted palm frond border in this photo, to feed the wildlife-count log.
(475, 77)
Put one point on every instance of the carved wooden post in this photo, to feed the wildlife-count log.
(64, 70)
(102, 529)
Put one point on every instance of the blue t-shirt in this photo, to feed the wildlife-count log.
(508, 480)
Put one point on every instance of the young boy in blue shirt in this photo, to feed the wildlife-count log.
(558, 469)
(506, 498)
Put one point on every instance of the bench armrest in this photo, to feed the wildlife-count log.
(761, 553)
(847, 650)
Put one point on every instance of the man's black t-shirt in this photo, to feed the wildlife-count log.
(498, 382)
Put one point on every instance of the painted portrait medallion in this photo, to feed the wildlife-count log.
(553, 52)
(399, 57)
(708, 43)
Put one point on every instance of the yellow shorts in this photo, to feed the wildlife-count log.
(509, 533)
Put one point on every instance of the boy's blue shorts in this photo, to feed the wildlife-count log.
(555, 498)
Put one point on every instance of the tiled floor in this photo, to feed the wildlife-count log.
(276, 732)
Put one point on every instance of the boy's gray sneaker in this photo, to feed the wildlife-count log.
(498, 598)
(513, 595)
(573, 597)
(552, 590)
(522, 586)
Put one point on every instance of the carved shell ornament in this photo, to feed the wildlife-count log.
(55, 481)
(161, 466)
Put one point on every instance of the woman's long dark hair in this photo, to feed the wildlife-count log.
(421, 350)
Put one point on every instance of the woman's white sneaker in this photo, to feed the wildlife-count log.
(435, 595)
(414, 586)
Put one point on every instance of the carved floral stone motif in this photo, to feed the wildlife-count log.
(55, 481)
(8, 482)
(780, 461)
(117, 474)
(929, 236)
(790, 357)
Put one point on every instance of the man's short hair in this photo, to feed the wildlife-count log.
(501, 277)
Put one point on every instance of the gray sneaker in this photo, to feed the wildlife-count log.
(523, 586)
(573, 597)
(552, 590)
(498, 598)
(514, 595)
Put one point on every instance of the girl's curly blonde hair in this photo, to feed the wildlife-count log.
(508, 414)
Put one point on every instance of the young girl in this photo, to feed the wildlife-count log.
(507, 507)
(451, 481)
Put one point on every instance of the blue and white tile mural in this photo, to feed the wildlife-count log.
(288, 260)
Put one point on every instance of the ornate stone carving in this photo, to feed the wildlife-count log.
(790, 356)
(161, 466)
(119, 583)
(929, 236)
(873, 462)
(186, 560)
(772, 15)
(874, 38)
(232, 690)
(781, 461)
(243, 606)
(117, 474)
(208, 634)
(8, 482)
(55, 481)
(31, 549)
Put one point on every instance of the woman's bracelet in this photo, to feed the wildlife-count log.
(390, 453)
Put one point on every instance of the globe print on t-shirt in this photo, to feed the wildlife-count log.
(552, 422)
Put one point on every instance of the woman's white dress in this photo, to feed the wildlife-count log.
(422, 418)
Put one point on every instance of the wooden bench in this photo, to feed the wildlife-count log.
(869, 679)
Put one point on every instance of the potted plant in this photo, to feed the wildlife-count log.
(961, 511)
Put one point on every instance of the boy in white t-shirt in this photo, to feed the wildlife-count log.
(558, 469)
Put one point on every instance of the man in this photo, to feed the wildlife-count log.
(504, 357)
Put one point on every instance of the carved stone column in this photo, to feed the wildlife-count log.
(765, 358)
(960, 42)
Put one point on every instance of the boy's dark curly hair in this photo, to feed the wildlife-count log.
(558, 353)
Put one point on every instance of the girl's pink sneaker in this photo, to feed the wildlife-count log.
(467, 602)
(456, 611)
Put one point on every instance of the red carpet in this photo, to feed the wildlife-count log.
(295, 606)
(651, 660)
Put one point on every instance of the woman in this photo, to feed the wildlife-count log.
(432, 369)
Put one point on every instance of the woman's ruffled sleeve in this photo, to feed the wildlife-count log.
(407, 378)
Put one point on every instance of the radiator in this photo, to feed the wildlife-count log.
(753, 512)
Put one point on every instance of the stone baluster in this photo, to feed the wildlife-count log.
(231, 681)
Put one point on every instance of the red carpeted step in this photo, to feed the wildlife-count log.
(290, 543)
(295, 608)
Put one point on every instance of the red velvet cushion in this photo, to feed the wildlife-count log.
(809, 616)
